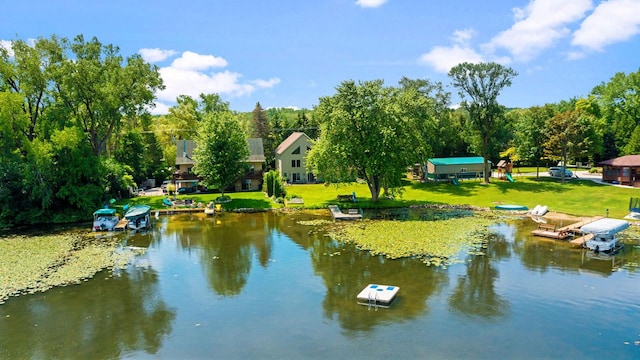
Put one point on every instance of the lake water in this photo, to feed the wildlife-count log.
(263, 286)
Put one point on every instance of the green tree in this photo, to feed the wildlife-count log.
(568, 134)
(363, 135)
(482, 83)
(261, 128)
(619, 104)
(98, 89)
(426, 107)
(221, 150)
(529, 128)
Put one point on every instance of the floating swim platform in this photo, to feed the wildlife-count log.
(511, 207)
(375, 294)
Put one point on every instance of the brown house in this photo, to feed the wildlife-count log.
(624, 170)
(184, 177)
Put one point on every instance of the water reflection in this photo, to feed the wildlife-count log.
(475, 293)
(283, 289)
(88, 319)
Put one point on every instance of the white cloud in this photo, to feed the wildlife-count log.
(370, 3)
(463, 37)
(193, 61)
(443, 58)
(155, 55)
(266, 83)
(538, 26)
(611, 22)
(7, 44)
(159, 109)
(189, 75)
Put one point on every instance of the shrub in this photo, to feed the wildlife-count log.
(273, 184)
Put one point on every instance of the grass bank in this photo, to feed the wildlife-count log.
(575, 197)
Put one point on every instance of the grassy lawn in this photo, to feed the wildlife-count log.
(575, 197)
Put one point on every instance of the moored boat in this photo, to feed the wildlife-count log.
(139, 217)
(511, 207)
(105, 219)
(604, 232)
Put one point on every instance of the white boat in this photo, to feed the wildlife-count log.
(139, 217)
(604, 232)
(105, 219)
(539, 210)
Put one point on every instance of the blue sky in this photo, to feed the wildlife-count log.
(288, 53)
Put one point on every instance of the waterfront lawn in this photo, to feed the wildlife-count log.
(575, 197)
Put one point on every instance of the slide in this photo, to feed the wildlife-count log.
(454, 181)
(508, 176)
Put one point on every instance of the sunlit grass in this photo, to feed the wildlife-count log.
(575, 197)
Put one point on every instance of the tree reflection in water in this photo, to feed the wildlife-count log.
(124, 315)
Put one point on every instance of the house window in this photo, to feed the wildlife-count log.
(295, 163)
(296, 151)
(247, 184)
(463, 170)
(296, 177)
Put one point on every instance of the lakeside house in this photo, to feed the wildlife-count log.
(624, 170)
(184, 177)
(291, 157)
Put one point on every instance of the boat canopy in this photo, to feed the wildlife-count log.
(137, 210)
(105, 211)
(605, 226)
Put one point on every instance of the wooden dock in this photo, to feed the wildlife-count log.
(352, 214)
(122, 225)
(561, 233)
(170, 211)
(579, 241)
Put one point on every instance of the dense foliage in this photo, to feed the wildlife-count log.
(221, 150)
(62, 104)
(75, 131)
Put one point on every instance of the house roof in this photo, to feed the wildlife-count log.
(457, 160)
(256, 150)
(290, 141)
(628, 160)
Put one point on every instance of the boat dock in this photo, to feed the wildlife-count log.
(122, 225)
(564, 232)
(579, 241)
(352, 214)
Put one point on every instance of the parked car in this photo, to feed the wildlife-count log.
(164, 185)
(186, 190)
(556, 171)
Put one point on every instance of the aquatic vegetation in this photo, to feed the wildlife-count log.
(437, 243)
(35, 264)
(316, 222)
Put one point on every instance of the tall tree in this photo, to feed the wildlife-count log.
(363, 135)
(530, 136)
(98, 89)
(221, 150)
(261, 128)
(619, 102)
(426, 107)
(26, 69)
(482, 83)
(568, 134)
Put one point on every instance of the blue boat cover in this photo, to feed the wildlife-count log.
(605, 226)
(106, 211)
